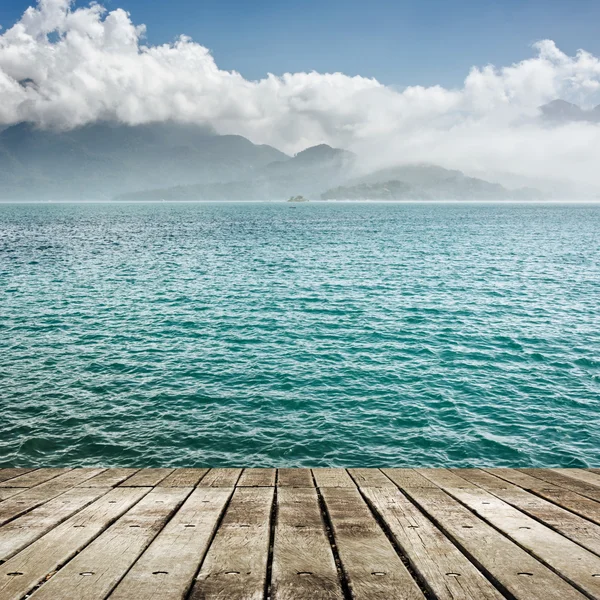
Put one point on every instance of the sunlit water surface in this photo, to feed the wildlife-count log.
(320, 334)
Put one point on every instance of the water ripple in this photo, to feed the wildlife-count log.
(331, 335)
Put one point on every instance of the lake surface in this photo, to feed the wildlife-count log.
(320, 334)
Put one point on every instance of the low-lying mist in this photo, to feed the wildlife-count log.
(62, 68)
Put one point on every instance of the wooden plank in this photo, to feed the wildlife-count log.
(33, 478)
(580, 475)
(303, 562)
(447, 572)
(579, 487)
(515, 571)
(566, 523)
(235, 566)
(584, 507)
(28, 568)
(370, 563)
(6, 493)
(167, 568)
(573, 562)
(94, 572)
(371, 478)
(6, 474)
(408, 478)
(21, 532)
(257, 478)
(295, 478)
(109, 478)
(147, 478)
(183, 478)
(221, 478)
(332, 478)
(25, 501)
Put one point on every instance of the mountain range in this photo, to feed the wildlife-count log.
(170, 161)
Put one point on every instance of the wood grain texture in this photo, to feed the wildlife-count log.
(21, 532)
(563, 521)
(235, 566)
(303, 563)
(183, 478)
(33, 478)
(295, 478)
(524, 577)
(32, 497)
(370, 563)
(28, 568)
(6, 493)
(568, 483)
(95, 571)
(408, 478)
(147, 478)
(6, 474)
(109, 478)
(573, 562)
(221, 478)
(167, 568)
(257, 478)
(447, 572)
(373, 478)
(580, 475)
(332, 478)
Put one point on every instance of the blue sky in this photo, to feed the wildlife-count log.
(399, 42)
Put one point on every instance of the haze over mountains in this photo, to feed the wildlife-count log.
(170, 161)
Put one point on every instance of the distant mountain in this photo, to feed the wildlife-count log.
(103, 160)
(307, 173)
(561, 111)
(425, 182)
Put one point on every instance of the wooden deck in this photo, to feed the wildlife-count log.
(480, 534)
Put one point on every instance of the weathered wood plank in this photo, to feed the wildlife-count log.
(303, 563)
(580, 475)
(235, 566)
(221, 478)
(33, 478)
(408, 478)
(109, 478)
(167, 568)
(25, 570)
(447, 572)
(371, 478)
(146, 478)
(573, 562)
(563, 521)
(6, 474)
(257, 478)
(6, 493)
(94, 572)
(585, 507)
(32, 497)
(18, 534)
(295, 478)
(579, 487)
(183, 478)
(332, 478)
(372, 567)
(516, 571)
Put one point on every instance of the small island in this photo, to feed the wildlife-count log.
(298, 199)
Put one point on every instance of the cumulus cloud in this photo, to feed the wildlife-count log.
(62, 67)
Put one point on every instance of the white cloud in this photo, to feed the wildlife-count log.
(61, 67)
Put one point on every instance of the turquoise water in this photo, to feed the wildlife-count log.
(324, 334)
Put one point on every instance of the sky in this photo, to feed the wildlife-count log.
(399, 42)
(459, 84)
